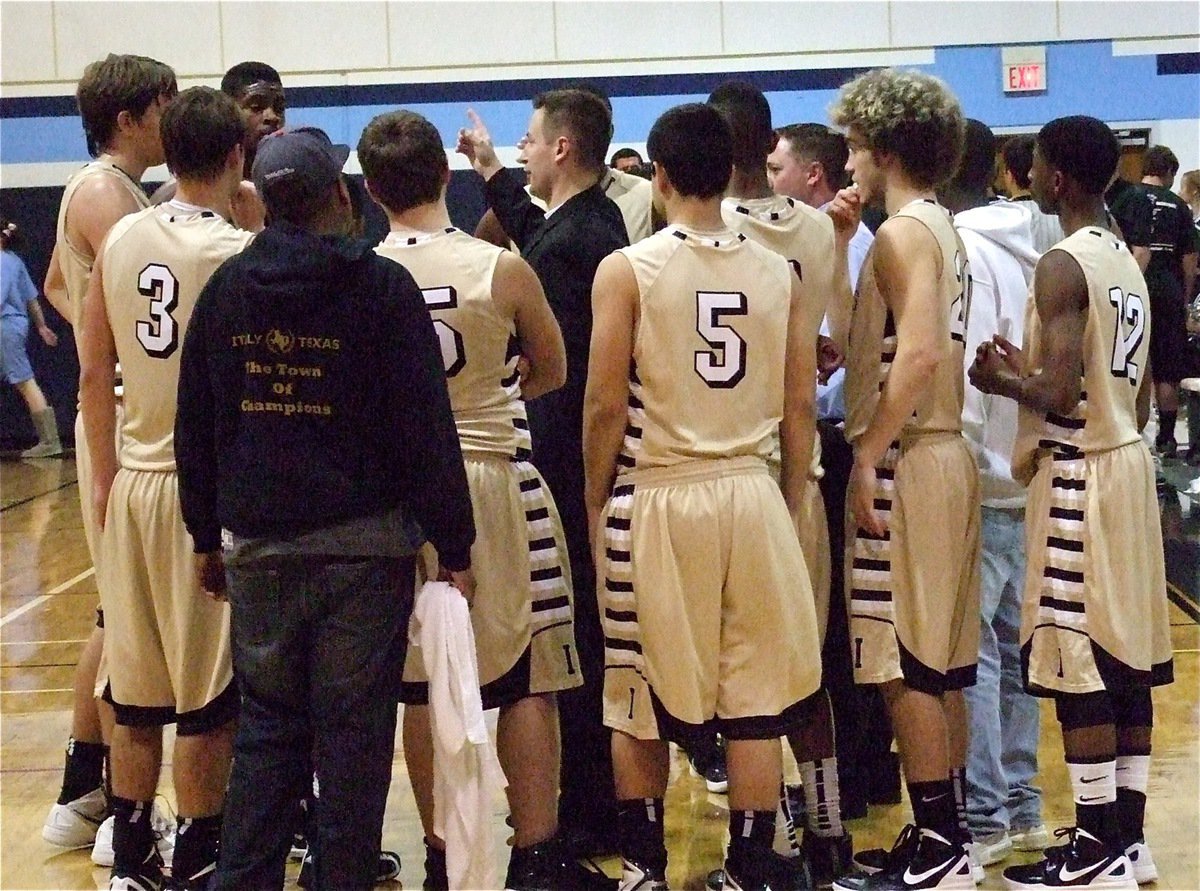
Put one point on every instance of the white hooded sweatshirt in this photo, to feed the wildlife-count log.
(999, 243)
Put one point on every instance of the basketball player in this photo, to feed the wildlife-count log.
(701, 356)
(1094, 625)
(168, 645)
(913, 540)
(489, 310)
(564, 151)
(804, 237)
(120, 101)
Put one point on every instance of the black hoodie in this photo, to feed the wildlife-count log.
(312, 392)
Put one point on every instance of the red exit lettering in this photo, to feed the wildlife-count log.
(1024, 77)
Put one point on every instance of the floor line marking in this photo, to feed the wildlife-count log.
(38, 601)
(34, 643)
(26, 692)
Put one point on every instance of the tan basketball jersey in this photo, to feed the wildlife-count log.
(156, 262)
(873, 336)
(633, 195)
(801, 235)
(75, 262)
(706, 379)
(479, 347)
(1115, 354)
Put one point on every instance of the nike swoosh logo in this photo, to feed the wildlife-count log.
(917, 877)
(1090, 779)
(1084, 799)
(1069, 875)
(935, 798)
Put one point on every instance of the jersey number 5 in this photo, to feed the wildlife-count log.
(1131, 326)
(724, 366)
(454, 357)
(158, 335)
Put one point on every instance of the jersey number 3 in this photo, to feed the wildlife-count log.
(724, 366)
(1130, 328)
(159, 335)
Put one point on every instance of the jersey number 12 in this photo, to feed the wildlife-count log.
(1131, 326)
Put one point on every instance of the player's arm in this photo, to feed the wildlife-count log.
(519, 296)
(907, 270)
(606, 399)
(1142, 404)
(1142, 255)
(55, 287)
(798, 429)
(846, 211)
(97, 374)
(96, 205)
(1060, 297)
(490, 230)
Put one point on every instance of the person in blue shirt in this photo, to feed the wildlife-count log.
(20, 301)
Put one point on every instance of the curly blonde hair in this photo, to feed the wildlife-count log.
(908, 114)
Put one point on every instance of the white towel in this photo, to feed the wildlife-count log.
(466, 773)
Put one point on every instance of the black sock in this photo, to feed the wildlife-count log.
(750, 831)
(933, 807)
(132, 835)
(958, 779)
(108, 792)
(640, 832)
(196, 841)
(84, 770)
(1131, 814)
(1100, 821)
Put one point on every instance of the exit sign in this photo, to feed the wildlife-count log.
(1023, 69)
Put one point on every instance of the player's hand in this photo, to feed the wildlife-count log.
(846, 212)
(49, 338)
(248, 211)
(523, 367)
(462, 579)
(829, 359)
(994, 370)
(102, 482)
(210, 573)
(475, 143)
(863, 486)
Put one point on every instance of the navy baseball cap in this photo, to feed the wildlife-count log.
(303, 155)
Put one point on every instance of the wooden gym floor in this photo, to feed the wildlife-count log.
(47, 603)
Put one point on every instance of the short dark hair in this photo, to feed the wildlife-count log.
(10, 233)
(199, 129)
(403, 159)
(748, 115)
(584, 116)
(115, 84)
(816, 142)
(1018, 158)
(243, 74)
(622, 153)
(977, 168)
(694, 146)
(293, 202)
(909, 114)
(1083, 148)
(1160, 161)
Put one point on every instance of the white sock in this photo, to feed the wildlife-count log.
(822, 805)
(1093, 784)
(1133, 772)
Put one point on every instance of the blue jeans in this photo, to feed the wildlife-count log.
(318, 652)
(1002, 753)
